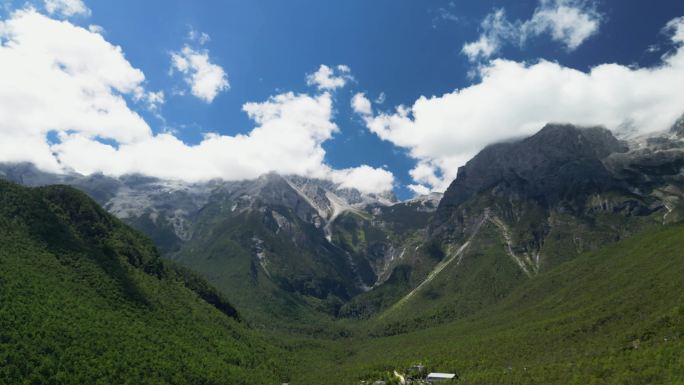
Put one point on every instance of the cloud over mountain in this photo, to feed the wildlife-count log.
(515, 99)
(67, 98)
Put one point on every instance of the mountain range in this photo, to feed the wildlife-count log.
(301, 256)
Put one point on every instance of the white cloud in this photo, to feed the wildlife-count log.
(288, 139)
(205, 78)
(419, 189)
(96, 29)
(484, 47)
(327, 78)
(63, 79)
(496, 29)
(154, 100)
(67, 8)
(57, 76)
(569, 22)
(364, 178)
(675, 28)
(515, 99)
(361, 105)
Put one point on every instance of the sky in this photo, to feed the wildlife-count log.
(376, 95)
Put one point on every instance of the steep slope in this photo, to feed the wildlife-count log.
(269, 239)
(85, 299)
(542, 167)
(520, 208)
(162, 209)
(293, 248)
(611, 316)
(265, 242)
(386, 237)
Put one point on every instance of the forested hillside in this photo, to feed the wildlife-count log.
(87, 300)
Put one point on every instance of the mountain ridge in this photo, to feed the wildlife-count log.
(343, 252)
(523, 207)
(296, 258)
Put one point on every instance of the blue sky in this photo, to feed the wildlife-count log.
(399, 49)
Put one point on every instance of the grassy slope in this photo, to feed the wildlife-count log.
(86, 300)
(486, 273)
(484, 276)
(614, 316)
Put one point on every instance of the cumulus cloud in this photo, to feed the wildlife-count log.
(205, 78)
(57, 76)
(361, 105)
(569, 22)
(364, 178)
(288, 137)
(327, 78)
(675, 28)
(67, 8)
(68, 82)
(515, 99)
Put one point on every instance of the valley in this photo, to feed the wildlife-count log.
(550, 259)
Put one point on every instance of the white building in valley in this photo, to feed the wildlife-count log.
(441, 377)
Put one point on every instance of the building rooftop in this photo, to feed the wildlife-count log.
(441, 376)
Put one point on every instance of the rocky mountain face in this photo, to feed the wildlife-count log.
(562, 171)
(516, 186)
(557, 163)
(523, 207)
(678, 128)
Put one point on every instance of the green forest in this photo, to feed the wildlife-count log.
(86, 299)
